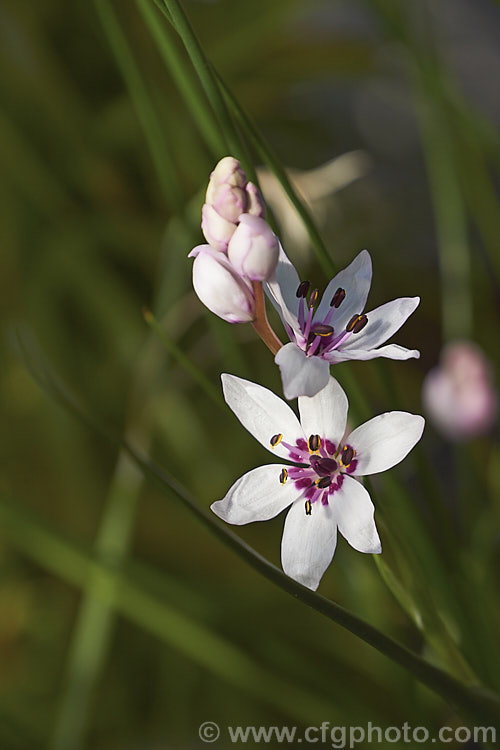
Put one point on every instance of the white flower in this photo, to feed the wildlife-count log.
(320, 488)
(335, 330)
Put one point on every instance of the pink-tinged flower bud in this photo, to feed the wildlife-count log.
(229, 202)
(254, 248)
(217, 230)
(229, 195)
(255, 202)
(459, 394)
(219, 286)
(228, 171)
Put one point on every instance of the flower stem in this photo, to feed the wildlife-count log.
(261, 323)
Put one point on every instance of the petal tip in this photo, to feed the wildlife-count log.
(217, 509)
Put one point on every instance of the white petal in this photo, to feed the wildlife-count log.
(385, 440)
(390, 351)
(325, 414)
(354, 511)
(301, 375)
(261, 412)
(356, 280)
(281, 289)
(256, 496)
(383, 322)
(308, 543)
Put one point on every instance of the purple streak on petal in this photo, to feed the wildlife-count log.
(352, 466)
(330, 447)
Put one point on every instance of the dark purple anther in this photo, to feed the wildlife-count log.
(314, 443)
(356, 323)
(302, 289)
(313, 298)
(321, 329)
(338, 298)
(324, 482)
(323, 466)
(347, 455)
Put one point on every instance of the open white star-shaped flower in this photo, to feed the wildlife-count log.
(335, 330)
(320, 486)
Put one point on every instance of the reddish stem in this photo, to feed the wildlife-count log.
(261, 323)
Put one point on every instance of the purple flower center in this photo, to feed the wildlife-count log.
(321, 470)
(318, 336)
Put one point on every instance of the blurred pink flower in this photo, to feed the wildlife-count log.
(459, 395)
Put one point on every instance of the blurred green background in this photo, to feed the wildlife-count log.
(103, 168)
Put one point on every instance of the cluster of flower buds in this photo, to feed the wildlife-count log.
(241, 248)
(459, 395)
(229, 194)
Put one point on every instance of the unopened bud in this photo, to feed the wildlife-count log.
(220, 287)
(229, 195)
(229, 202)
(217, 230)
(255, 202)
(254, 249)
(228, 171)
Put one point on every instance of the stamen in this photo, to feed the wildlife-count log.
(335, 342)
(301, 317)
(348, 454)
(320, 329)
(314, 443)
(313, 298)
(314, 346)
(303, 288)
(276, 440)
(356, 323)
(283, 476)
(324, 482)
(338, 298)
(309, 320)
(323, 466)
(308, 507)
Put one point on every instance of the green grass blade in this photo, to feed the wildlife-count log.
(183, 360)
(195, 100)
(269, 157)
(143, 105)
(232, 139)
(132, 598)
